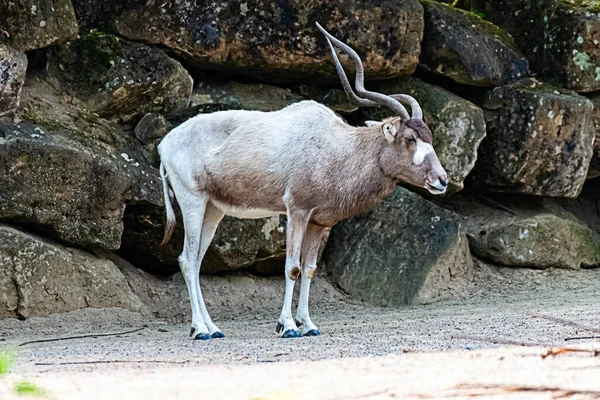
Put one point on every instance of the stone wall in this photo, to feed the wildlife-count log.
(88, 88)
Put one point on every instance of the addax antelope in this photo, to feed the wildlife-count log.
(302, 161)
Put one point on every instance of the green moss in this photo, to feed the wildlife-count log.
(587, 5)
(478, 24)
(36, 117)
(89, 60)
(90, 117)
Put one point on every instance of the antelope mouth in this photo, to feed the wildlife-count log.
(434, 190)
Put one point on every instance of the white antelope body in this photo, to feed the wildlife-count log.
(302, 161)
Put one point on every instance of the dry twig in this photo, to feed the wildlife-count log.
(82, 336)
(582, 338)
(111, 362)
(490, 390)
(495, 340)
(563, 321)
(560, 350)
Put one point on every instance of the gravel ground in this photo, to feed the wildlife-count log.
(440, 350)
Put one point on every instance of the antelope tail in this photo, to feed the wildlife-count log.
(170, 225)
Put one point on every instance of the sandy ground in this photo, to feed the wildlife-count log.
(442, 350)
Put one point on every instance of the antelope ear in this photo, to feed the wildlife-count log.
(373, 123)
(389, 131)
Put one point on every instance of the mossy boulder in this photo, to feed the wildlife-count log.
(265, 39)
(13, 65)
(44, 104)
(39, 277)
(461, 46)
(406, 251)
(458, 126)
(539, 141)
(541, 241)
(33, 24)
(72, 189)
(116, 78)
(559, 37)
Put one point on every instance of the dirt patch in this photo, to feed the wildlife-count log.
(364, 352)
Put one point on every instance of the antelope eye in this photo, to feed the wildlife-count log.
(411, 139)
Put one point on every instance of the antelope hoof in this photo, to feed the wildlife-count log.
(312, 332)
(202, 336)
(217, 335)
(291, 333)
(199, 336)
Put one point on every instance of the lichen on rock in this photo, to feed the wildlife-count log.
(40, 277)
(463, 47)
(541, 241)
(116, 78)
(539, 141)
(406, 251)
(34, 24)
(13, 65)
(559, 37)
(270, 40)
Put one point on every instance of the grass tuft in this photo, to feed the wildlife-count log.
(29, 389)
(6, 361)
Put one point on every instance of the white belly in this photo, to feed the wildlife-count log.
(249, 213)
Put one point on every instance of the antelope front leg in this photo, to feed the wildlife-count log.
(310, 253)
(296, 228)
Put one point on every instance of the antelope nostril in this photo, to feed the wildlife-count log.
(443, 181)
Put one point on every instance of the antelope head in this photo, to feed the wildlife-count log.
(409, 155)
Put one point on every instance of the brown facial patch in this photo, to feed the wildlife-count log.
(421, 129)
(294, 273)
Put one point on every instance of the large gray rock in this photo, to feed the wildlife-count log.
(406, 251)
(13, 65)
(116, 78)
(538, 142)
(38, 277)
(33, 24)
(458, 126)
(541, 241)
(45, 105)
(537, 232)
(72, 189)
(462, 46)
(559, 37)
(278, 40)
